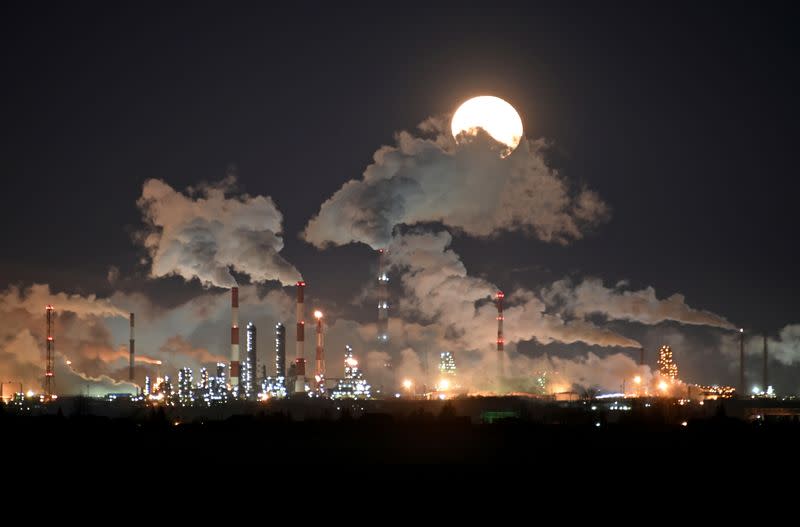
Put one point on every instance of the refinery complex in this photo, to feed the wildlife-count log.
(246, 384)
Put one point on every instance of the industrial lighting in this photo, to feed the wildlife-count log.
(318, 314)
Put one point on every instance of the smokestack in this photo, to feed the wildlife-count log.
(766, 377)
(131, 351)
(234, 337)
(383, 301)
(319, 374)
(300, 361)
(500, 340)
(742, 387)
(641, 356)
(48, 368)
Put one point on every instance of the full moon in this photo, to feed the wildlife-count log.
(494, 115)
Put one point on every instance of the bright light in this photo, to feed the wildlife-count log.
(30, 393)
(444, 384)
(407, 384)
(756, 390)
(684, 423)
(492, 114)
(663, 386)
(69, 363)
(637, 379)
(318, 314)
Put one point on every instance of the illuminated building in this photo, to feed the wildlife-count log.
(216, 390)
(275, 387)
(148, 385)
(203, 379)
(353, 385)
(666, 365)
(447, 364)
(248, 380)
(185, 389)
(280, 351)
(714, 392)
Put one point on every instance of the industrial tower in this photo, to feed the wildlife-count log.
(500, 339)
(234, 338)
(300, 361)
(48, 369)
(319, 371)
(383, 301)
(131, 351)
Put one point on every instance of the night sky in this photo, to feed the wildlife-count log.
(682, 119)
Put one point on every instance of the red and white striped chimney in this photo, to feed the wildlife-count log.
(300, 361)
(234, 337)
(132, 351)
(320, 369)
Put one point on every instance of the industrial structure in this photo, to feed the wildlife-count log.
(319, 370)
(234, 370)
(766, 360)
(383, 301)
(353, 385)
(280, 351)
(131, 351)
(667, 367)
(500, 339)
(300, 361)
(447, 364)
(249, 371)
(742, 386)
(49, 385)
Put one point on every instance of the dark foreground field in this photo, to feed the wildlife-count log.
(263, 440)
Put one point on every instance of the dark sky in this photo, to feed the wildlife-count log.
(683, 119)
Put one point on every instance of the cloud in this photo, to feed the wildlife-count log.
(33, 300)
(80, 332)
(467, 187)
(203, 234)
(591, 297)
(438, 290)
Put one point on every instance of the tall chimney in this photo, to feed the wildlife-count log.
(48, 369)
(383, 301)
(234, 337)
(766, 376)
(300, 361)
(500, 339)
(641, 356)
(319, 373)
(742, 387)
(131, 351)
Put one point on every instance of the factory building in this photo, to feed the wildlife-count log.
(185, 388)
(353, 385)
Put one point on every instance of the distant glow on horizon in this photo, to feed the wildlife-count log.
(494, 115)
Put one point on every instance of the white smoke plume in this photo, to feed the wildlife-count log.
(81, 337)
(465, 186)
(204, 234)
(592, 297)
(438, 289)
(785, 349)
